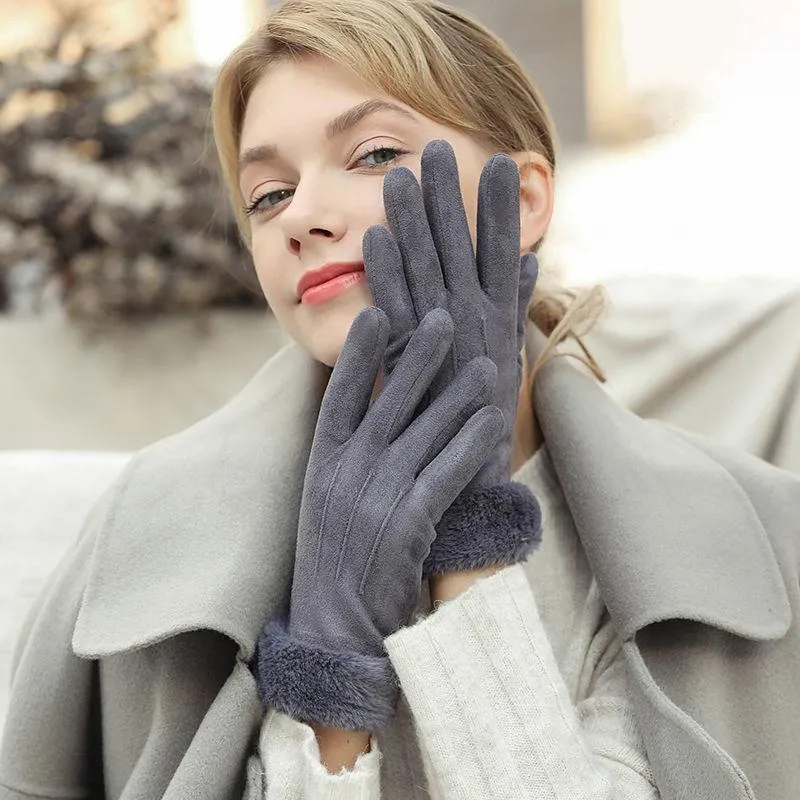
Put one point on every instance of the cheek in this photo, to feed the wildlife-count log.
(363, 205)
(265, 261)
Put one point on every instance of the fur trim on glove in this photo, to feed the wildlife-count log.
(343, 690)
(500, 525)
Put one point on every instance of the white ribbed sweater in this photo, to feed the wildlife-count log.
(515, 689)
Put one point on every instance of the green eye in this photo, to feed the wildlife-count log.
(380, 156)
(267, 200)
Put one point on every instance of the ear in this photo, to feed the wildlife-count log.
(535, 197)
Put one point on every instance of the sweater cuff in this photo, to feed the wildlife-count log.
(293, 768)
(342, 690)
(480, 678)
(495, 526)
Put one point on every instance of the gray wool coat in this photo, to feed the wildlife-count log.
(131, 679)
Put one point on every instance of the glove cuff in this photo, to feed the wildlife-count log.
(312, 684)
(499, 525)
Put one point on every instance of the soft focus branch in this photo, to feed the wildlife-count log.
(109, 196)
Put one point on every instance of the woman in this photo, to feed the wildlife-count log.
(245, 611)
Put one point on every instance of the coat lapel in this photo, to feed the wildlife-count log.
(659, 547)
(670, 535)
(218, 503)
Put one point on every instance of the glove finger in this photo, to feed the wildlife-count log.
(498, 229)
(417, 367)
(471, 388)
(386, 278)
(440, 483)
(528, 275)
(349, 389)
(405, 213)
(444, 207)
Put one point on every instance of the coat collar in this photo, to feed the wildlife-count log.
(200, 531)
(200, 528)
(667, 530)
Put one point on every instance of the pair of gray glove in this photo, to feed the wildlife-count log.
(417, 481)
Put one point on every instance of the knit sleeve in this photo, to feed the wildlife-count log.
(493, 715)
(290, 768)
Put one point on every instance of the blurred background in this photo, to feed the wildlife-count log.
(119, 323)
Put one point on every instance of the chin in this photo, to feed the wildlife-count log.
(328, 353)
(327, 338)
(322, 330)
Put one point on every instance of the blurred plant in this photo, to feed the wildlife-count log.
(110, 203)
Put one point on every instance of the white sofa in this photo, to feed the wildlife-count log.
(721, 359)
(44, 498)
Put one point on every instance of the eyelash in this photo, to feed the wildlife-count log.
(253, 207)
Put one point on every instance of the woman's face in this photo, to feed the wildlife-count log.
(315, 147)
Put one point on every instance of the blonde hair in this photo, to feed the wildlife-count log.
(437, 60)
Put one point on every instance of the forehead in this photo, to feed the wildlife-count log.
(292, 105)
(302, 92)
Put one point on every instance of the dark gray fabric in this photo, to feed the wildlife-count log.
(341, 689)
(498, 525)
(427, 261)
(378, 479)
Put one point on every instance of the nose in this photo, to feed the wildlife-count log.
(310, 219)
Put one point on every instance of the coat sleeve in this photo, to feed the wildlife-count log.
(51, 744)
(493, 715)
(291, 769)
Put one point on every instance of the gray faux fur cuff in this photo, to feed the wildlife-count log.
(312, 684)
(500, 525)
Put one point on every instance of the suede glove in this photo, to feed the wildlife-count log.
(377, 482)
(427, 261)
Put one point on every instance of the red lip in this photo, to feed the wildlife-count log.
(327, 272)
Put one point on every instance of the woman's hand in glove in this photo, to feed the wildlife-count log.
(378, 481)
(427, 261)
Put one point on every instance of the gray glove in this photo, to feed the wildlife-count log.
(377, 482)
(427, 261)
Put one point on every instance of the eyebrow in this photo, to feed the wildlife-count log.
(336, 127)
